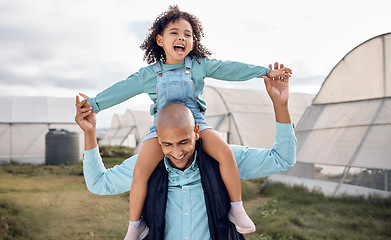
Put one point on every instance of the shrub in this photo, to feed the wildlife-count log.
(11, 226)
(116, 151)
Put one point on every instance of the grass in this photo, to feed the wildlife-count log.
(296, 213)
(52, 202)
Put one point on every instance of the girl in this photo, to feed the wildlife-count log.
(180, 65)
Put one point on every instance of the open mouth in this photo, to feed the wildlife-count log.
(179, 49)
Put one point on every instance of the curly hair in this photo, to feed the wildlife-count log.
(154, 52)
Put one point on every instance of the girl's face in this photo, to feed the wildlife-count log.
(177, 41)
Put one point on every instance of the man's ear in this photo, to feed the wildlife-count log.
(157, 136)
(197, 131)
(159, 40)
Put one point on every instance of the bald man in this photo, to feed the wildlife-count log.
(177, 135)
(190, 210)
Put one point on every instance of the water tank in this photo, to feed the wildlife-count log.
(62, 146)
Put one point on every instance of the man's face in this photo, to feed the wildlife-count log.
(178, 144)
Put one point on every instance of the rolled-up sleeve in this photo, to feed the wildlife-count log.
(257, 162)
(102, 181)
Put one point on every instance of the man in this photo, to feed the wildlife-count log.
(187, 215)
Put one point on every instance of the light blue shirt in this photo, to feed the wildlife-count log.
(186, 216)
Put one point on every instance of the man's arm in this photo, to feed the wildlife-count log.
(278, 90)
(255, 162)
(100, 180)
(86, 119)
(258, 162)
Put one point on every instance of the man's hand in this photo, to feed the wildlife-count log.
(85, 117)
(278, 90)
(277, 86)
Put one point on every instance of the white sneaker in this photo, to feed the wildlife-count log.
(239, 217)
(137, 233)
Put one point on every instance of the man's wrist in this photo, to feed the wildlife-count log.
(90, 141)
(91, 131)
(282, 112)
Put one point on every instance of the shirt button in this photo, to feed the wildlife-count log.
(185, 191)
(186, 214)
(183, 174)
(185, 237)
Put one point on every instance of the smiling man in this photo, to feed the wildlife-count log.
(177, 135)
(186, 197)
(186, 188)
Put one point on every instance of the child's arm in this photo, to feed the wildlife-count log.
(118, 93)
(232, 71)
(237, 71)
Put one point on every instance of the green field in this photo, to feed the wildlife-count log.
(52, 202)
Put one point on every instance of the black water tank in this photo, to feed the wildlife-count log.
(61, 146)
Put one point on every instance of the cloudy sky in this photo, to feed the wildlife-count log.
(62, 47)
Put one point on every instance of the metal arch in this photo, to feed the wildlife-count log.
(135, 125)
(222, 98)
(127, 134)
(229, 114)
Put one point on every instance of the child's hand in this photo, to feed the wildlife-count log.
(86, 103)
(85, 117)
(283, 72)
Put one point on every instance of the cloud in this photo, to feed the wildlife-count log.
(91, 44)
(140, 29)
(60, 48)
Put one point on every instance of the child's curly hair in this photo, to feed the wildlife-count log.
(154, 52)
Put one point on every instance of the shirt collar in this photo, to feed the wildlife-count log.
(192, 167)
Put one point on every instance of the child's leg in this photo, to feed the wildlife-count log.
(149, 156)
(215, 146)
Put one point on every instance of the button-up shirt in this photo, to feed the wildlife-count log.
(186, 216)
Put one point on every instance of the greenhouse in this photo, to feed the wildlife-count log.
(25, 121)
(347, 129)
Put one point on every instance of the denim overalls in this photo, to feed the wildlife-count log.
(176, 87)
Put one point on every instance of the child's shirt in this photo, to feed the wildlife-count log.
(144, 81)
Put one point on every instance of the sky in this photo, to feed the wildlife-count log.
(63, 47)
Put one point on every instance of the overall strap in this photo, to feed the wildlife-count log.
(188, 64)
(158, 68)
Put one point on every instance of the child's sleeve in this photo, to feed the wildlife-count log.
(233, 71)
(118, 93)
